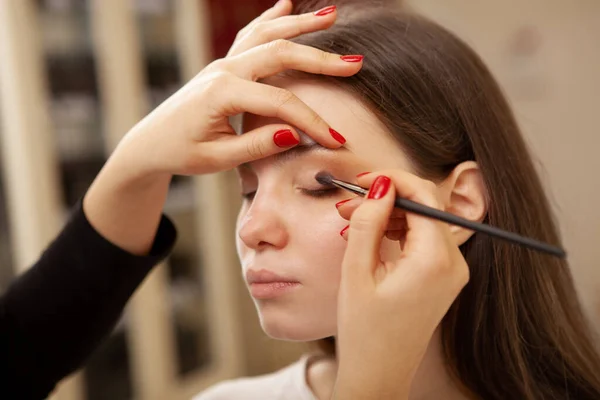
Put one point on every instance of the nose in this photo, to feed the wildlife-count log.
(263, 225)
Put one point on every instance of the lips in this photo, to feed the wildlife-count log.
(266, 276)
(267, 285)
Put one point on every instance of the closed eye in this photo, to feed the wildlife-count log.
(317, 193)
(321, 193)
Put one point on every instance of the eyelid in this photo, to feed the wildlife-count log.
(322, 192)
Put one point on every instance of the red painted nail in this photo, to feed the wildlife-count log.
(344, 230)
(352, 58)
(379, 188)
(339, 204)
(336, 135)
(325, 11)
(362, 174)
(285, 138)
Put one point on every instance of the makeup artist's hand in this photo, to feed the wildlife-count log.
(388, 311)
(190, 134)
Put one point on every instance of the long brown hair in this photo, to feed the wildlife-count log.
(517, 330)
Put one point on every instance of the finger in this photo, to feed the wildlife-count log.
(284, 27)
(245, 96)
(423, 233)
(281, 55)
(279, 9)
(253, 145)
(346, 207)
(395, 224)
(367, 228)
(395, 235)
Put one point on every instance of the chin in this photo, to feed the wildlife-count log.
(293, 327)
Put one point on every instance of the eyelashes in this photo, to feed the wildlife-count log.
(316, 193)
(321, 193)
(326, 190)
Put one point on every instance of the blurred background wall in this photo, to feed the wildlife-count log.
(76, 74)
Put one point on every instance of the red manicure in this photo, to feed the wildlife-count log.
(379, 188)
(339, 204)
(352, 58)
(336, 135)
(285, 138)
(362, 174)
(325, 11)
(344, 230)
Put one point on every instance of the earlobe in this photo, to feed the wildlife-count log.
(466, 196)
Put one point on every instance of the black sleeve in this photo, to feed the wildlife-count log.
(54, 315)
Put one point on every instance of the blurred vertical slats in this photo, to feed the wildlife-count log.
(121, 81)
(30, 161)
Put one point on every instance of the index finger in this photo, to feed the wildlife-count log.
(281, 55)
(279, 9)
(270, 101)
(422, 231)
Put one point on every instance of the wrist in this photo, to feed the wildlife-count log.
(367, 384)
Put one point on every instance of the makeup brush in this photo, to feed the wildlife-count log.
(326, 179)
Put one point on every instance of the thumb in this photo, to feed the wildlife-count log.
(256, 144)
(367, 228)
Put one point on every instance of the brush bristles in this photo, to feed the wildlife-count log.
(324, 178)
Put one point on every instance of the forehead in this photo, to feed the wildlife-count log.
(367, 138)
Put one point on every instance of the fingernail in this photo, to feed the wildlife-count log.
(362, 174)
(379, 188)
(325, 11)
(336, 135)
(352, 58)
(285, 138)
(344, 230)
(339, 204)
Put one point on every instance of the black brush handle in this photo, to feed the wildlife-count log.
(426, 211)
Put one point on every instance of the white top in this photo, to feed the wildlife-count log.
(288, 383)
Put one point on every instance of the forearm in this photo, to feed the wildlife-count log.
(125, 206)
(54, 315)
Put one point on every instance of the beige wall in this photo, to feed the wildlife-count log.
(554, 86)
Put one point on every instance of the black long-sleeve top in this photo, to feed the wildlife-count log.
(54, 315)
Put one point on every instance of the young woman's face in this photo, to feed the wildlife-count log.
(288, 228)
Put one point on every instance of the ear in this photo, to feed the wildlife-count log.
(464, 195)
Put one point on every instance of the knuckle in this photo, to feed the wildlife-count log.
(260, 30)
(279, 46)
(220, 78)
(324, 57)
(218, 82)
(283, 97)
(218, 65)
(241, 33)
(315, 119)
(361, 220)
(256, 148)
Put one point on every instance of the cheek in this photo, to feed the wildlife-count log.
(239, 244)
(319, 237)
